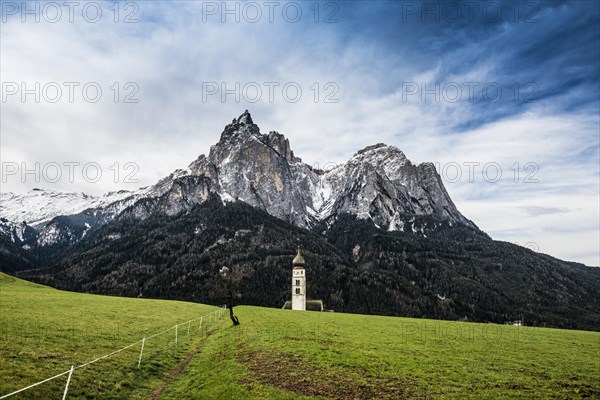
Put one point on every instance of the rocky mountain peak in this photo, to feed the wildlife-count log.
(241, 128)
(370, 148)
(380, 152)
(245, 118)
(281, 145)
(256, 168)
(243, 136)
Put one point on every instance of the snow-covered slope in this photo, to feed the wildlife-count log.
(39, 206)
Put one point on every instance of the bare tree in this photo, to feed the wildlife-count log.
(232, 281)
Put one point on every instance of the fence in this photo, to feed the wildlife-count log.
(216, 314)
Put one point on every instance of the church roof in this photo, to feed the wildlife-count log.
(298, 260)
(311, 305)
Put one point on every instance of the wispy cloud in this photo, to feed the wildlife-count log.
(535, 211)
(543, 125)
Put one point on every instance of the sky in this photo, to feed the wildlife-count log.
(502, 95)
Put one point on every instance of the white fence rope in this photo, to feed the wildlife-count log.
(70, 371)
(106, 356)
(35, 384)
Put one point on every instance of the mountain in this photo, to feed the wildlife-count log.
(42, 224)
(381, 235)
(378, 183)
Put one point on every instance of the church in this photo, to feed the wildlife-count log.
(299, 301)
(298, 283)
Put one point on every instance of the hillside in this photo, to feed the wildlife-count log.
(277, 354)
(453, 272)
(44, 331)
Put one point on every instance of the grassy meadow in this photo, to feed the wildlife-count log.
(44, 331)
(279, 354)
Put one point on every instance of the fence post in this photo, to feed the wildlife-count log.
(68, 381)
(200, 325)
(189, 322)
(176, 333)
(141, 352)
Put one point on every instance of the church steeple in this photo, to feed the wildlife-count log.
(298, 283)
(298, 260)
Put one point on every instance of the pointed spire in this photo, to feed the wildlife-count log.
(298, 260)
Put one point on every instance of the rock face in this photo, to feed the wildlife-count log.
(378, 183)
(256, 169)
(381, 184)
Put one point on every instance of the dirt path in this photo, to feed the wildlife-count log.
(177, 372)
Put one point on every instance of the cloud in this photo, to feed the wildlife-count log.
(535, 211)
(542, 131)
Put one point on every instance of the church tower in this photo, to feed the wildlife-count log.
(298, 283)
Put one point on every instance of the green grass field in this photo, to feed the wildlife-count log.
(277, 354)
(44, 331)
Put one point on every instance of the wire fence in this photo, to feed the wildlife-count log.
(215, 315)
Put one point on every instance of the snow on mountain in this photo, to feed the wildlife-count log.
(19, 233)
(39, 206)
(47, 217)
(381, 184)
(378, 183)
